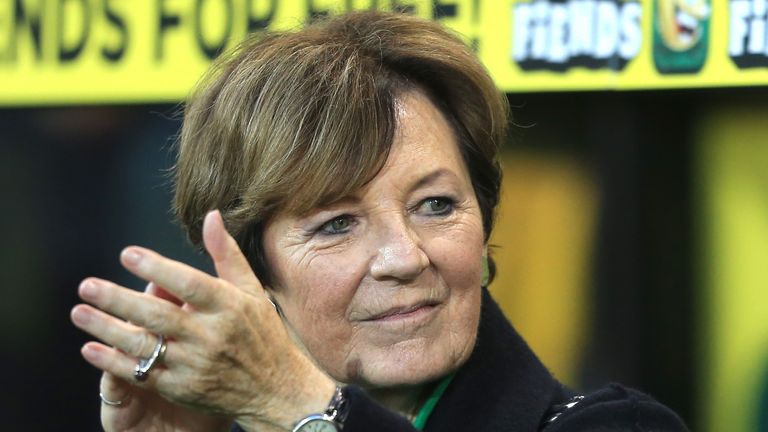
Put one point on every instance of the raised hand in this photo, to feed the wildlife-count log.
(228, 354)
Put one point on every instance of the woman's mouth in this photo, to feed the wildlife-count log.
(400, 313)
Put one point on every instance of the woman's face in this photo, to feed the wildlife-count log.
(383, 287)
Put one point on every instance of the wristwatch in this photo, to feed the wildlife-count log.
(332, 420)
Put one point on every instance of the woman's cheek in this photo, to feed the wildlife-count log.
(460, 265)
(322, 323)
(330, 344)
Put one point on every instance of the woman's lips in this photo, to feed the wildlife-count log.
(403, 312)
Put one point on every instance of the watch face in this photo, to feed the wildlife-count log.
(317, 425)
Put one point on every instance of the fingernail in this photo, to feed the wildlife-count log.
(90, 353)
(81, 317)
(131, 256)
(89, 288)
(211, 215)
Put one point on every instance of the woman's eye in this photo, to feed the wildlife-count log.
(337, 225)
(437, 206)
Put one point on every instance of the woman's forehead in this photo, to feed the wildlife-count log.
(424, 152)
(424, 140)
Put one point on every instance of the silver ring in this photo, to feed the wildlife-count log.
(141, 371)
(109, 402)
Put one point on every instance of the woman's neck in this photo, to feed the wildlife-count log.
(406, 400)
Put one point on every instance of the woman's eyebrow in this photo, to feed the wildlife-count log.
(332, 206)
(431, 178)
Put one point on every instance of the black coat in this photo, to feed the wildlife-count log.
(503, 387)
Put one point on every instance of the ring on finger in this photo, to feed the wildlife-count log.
(109, 401)
(145, 365)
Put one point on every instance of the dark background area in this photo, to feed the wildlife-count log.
(639, 147)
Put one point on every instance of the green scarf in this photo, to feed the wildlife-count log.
(421, 419)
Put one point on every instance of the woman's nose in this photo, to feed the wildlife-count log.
(399, 255)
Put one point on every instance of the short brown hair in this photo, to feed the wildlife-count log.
(289, 121)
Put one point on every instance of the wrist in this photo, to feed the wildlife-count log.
(332, 419)
(315, 400)
(309, 396)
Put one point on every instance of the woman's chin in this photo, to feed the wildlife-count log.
(399, 378)
(407, 369)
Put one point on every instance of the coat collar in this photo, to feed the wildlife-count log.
(502, 387)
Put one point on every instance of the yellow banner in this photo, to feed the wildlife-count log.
(114, 51)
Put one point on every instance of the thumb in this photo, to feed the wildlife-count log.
(229, 261)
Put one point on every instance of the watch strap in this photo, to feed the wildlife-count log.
(338, 407)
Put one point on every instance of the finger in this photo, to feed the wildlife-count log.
(231, 265)
(122, 335)
(118, 364)
(118, 382)
(160, 292)
(115, 389)
(152, 313)
(186, 283)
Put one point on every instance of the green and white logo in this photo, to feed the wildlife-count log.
(680, 35)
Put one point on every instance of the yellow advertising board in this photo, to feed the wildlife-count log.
(116, 51)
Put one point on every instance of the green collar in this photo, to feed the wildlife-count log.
(421, 419)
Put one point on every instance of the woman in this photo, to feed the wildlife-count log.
(354, 164)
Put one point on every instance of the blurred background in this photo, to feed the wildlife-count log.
(632, 238)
